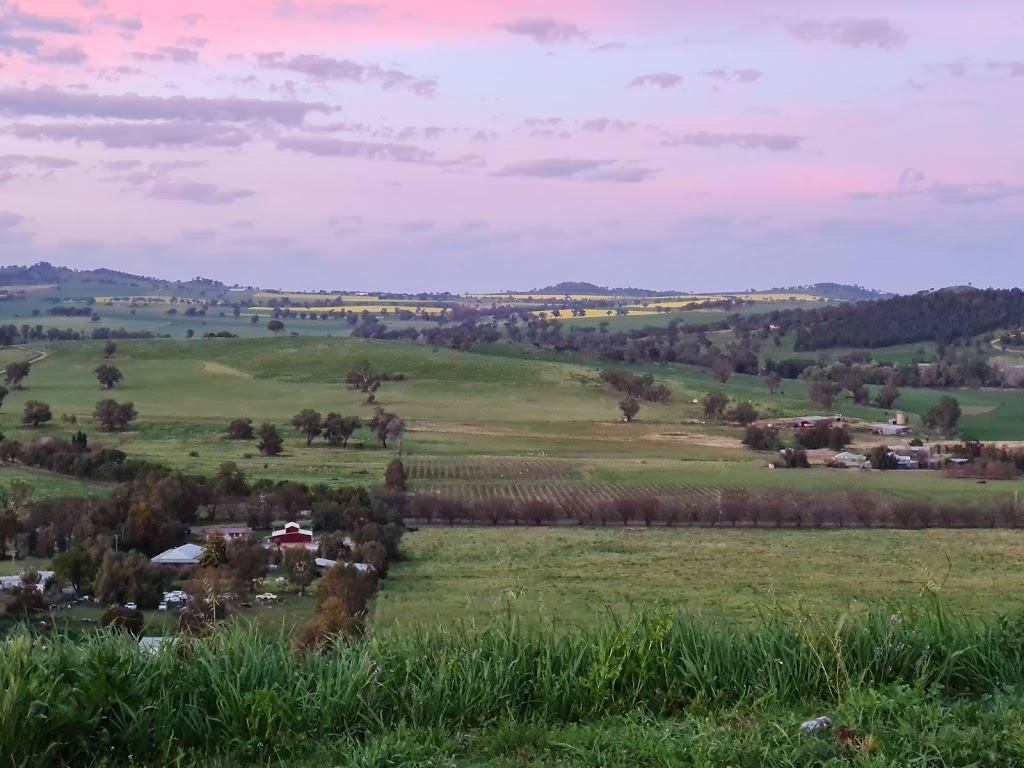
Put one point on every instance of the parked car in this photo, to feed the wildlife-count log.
(162, 607)
(131, 606)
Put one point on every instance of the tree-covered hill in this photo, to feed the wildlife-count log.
(940, 316)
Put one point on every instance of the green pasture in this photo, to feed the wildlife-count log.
(574, 576)
(497, 400)
(46, 485)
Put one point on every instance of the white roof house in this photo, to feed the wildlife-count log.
(322, 562)
(850, 459)
(186, 554)
(13, 582)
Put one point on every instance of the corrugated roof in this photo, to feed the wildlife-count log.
(186, 554)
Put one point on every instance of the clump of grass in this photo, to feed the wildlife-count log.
(251, 697)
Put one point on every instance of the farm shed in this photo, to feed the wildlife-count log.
(187, 554)
(890, 430)
(850, 459)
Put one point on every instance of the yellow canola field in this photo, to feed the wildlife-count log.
(129, 299)
(779, 297)
(265, 296)
(633, 312)
(665, 301)
(373, 309)
(539, 297)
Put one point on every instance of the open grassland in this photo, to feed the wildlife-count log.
(930, 688)
(497, 401)
(571, 577)
(46, 485)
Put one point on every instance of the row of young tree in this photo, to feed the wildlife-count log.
(725, 508)
(11, 334)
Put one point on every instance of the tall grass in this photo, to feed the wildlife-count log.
(250, 697)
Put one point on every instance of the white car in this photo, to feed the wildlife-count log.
(162, 607)
(131, 606)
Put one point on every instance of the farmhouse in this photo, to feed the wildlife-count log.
(187, 554)
(13, 582)
(229, 533)
(850, 459)
(890, 430)
(292, 535)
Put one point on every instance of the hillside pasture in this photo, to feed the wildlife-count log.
(573, 577)
(496, 402)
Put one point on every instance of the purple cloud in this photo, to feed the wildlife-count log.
(608, 47)
(974, 194)
(192, 19)
(71, 56)
(128, 26)
(12, 18)
(776, 142)
(21, 166)
(334, 12)
(197, 192)
(542, 122)
(545, 30)
(736, 75)
(10, 220)
(602, 124)
(854, 33)
(325, 68)
(660, 79)
(366, 150)
(172, 53)
(1011, 68)
(47, 101)
(577, 170)
(19, 30)
(122, 135)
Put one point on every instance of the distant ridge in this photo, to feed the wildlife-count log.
(835, 291)
(573, 288)
(44, 273)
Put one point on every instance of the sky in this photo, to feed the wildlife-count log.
(486, 145)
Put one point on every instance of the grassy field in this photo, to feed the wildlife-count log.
(497, 401)
(46, 485)
(931, 688)
(572, 577)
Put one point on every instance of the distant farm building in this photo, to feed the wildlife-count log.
(13, 582)
(187, 554)
(890, 430)
(293, 535)
(810, 422)
(848, 459)
(229, 532)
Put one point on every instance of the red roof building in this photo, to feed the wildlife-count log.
(292, 535)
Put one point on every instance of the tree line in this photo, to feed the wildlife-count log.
(727, 508)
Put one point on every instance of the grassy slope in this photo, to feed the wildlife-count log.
(572, 576)
(498, 401)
